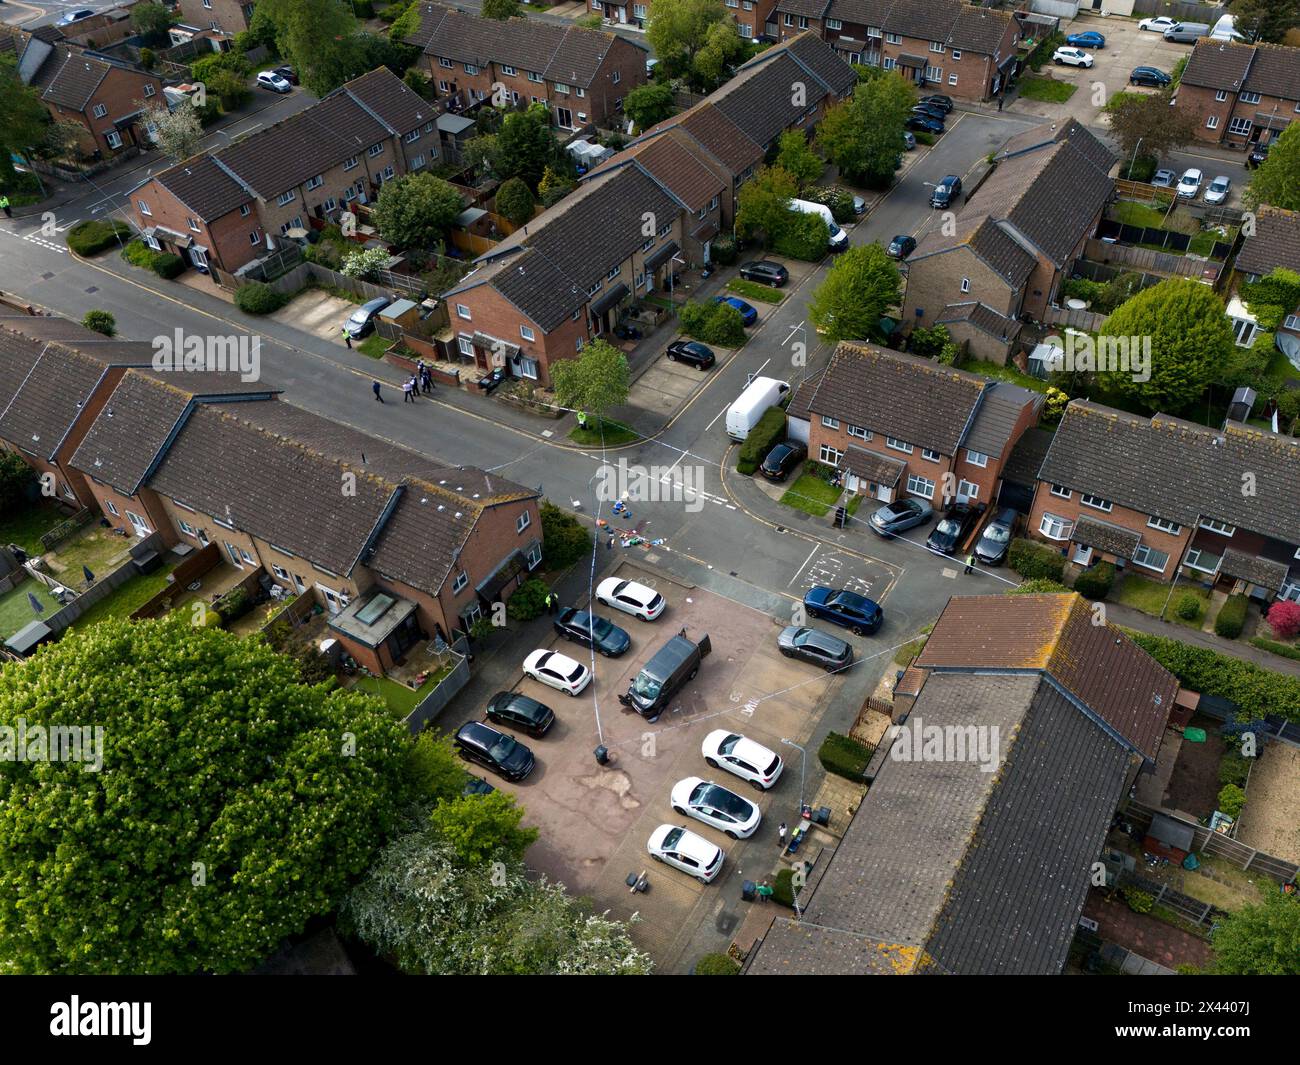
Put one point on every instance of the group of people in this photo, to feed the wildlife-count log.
(420, 382)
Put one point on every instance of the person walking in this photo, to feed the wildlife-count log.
(780, 834)
(970, 562)
(375, 385)
(406, 393)
(999, 103)
(427, 380)
(4, 206)
(347, 339)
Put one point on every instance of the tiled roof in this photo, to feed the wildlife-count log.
(863, 12)
(1050, 133)
(815, 55)
(1260, 571)
(735, 149)
(982, 317)
(1112, 539)
(873, 468)
(1276, 242)
(49, 396)
(761, 101)
(996, 417)
(1188, 471)
(927, 20)
(1218, 64)
(805, 8)
(204, 187)
(1274, 72)
(911, 399)
(978, 30)
(72, 79)
(1026, 458)
(391, 100)
(673, 160)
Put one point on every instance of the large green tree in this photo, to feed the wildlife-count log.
(317, 36)
(524, 146)
(515, 201)
(1145, 122)
(723, 48)
(796, 158)
(1266, 20)
(863, 135)
(17, 481)
(234, 804)
(763, 204)
(857, 291)
(1190, 344)
(595, 381)
(649, 104)
(1260, 940)
(481, 828)
(679, 29)
(23, 119)
(152, 20)
(1277, 181)
(416, 210)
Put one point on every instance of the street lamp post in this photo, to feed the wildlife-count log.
(803, 765)
(1133, 161)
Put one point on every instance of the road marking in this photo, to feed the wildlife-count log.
(816, 548)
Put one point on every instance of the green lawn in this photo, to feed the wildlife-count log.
(374, 346)
(1046, 90)
(752, 290)
(613, 433)
(1149, 596)
(1279, 365)
(16, 610)
(854, 503)
(1128, 213)
(400, 699)
(124, 601)
(811, 494)
(25, 526)
(1004, 373)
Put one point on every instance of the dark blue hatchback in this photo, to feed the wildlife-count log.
(855, 612)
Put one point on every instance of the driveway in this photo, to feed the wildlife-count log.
(316, 312)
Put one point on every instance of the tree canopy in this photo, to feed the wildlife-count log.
(177, 131)
(1145, 122)
(1277, 181)
(694, 39)
(234, 803)
(515, 201)
(500, 9)
(524, 147)
(863, 135)
(416, 210)
(595, 381)
(763, 204)
(857, 291)
(1266, 20)
(649, 104)
(798, 160)
(1260, 940)
(317, 36)
(24, 119)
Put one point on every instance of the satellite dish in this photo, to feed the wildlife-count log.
(1289, 345)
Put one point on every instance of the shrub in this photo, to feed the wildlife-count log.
(1095, 582)
(804, 236)
(1039, 586)
(167, 265)
(1284, 619)
(1272, 646)
(1138, 901)
(1231, 800)
(100, 322)
(92, 237)
(1188, 606)
(564, 538)
(364, 262)
(713, 323)
(211, 619)
(716, 965)
(1035, 562)
(233, 605)
(844, 756)
(839, 200)
(1083, 289)
(783, 888)
(1232, 617)
(254, 297)
(768, 431)
(1234, 767)
(514, 201)
(528, 601)
(722, 252)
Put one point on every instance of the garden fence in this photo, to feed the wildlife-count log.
(1216, 843)
(432, 704)
(65, 529)
(1184, 905)
(1148, 260)
(1087, 321)
(1179, 10)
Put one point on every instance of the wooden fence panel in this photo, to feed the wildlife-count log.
(1220, 845)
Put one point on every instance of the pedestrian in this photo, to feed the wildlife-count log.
(4, 206)
(999, 103)
(406, 393)
(552, 602)
(347, 339)
(970, 562)
(764, 892)
(375, 386)
(780, 833)
(428, 380)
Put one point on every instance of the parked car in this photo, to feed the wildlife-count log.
(933, 110)
(557, 671)
(631, 598)
(497, 751)
(1189, 185)
(813, 645)
(692, 353)
(924, 124)
(945, 191)
(75, 16)
(591, 630)
(859, 204)
(765, 272)
(476, 786)
(1087, 39)
(991, 548)
(519, 711)
(842, 607)
(899, 516)
(288, 73)
(746, 759)
(954, 527)
(1164, 179)
(1157, 25)
(1255, 158)
(1187, 32)
(1149, 76)
(669, 670)
(909, 139)
(1072, 57)
(1217, 191)
(683, 849)
(939, 100)
(492, 379)
(782, 459)
(747, 313)
(269, 79)
(901, 246)
(716, 806)
(361, 322)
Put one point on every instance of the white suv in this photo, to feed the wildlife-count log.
(748, 760)
(683, 849)
(1075, 57)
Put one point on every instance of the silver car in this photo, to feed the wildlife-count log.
(813, 645)
(1218, 189)
(1164, 179)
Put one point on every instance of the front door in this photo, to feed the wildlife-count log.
(1082, 555)
(198, 257)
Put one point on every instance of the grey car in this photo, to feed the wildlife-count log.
(991, 548)
(362, 321)
(899, 516)
(812, 645)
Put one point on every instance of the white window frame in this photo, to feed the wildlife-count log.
(1055, 527)
(1096, 502)
(527, 333)
(1239, 126)
(965, 284)
(920, 486)
(956, 54)
(286, 197)
(465, 345)
(968, 489)
(834, 24)
(1145, 552)
(1220, 527)
(1160, 524)
(523, 521)
(977, 458)
(899, 445)
(1193, 561)
(459, 583)
(112, 508)
(463, 312)
(144, 208)
(952, 79)
(1212, 122)
(113, 138)
(100, 111)
(830, 423)
(830, 455)
(1221, 95)
(859, 432)
(1249, 97)
(1061, 492)
(930, 455)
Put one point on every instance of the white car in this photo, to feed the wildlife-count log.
(557, 671)
(269, 79)
(683, 849)
(1189, 185)
(1157, 25)
(1218, 189)
(631, 598)
(1075, 57)
(716, 806)
(748, 760)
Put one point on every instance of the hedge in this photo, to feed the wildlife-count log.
(1232, 617)
(92, 237)
(768, 431)
(1039, 586)
(564, 538)
(1036, 562)
(1272, 646)
(254, 297)
(716, 965)
(713, 323)
(162, 263)
(1096, 581)
(783, 888)
(804, 237)
(1254, 690)
(844, 756)
(1231, 800)
(528, 601)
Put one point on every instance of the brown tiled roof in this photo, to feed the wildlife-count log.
(205, 187)
(805, 8)
(981, 316)
(1112, 539)
(1274, 72)
(72, 79)
(978, 29)
(986, 238)
(819, 58)
(1276, 242)
(997, 415)
(1260, 571)
(873, 468)
(1052, 133)
(49, 397)
(1218, 64)
(863, 12)
(391, 100)
(926, 20)
(721, 137)
(672, 160)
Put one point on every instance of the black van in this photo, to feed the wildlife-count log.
(672, 666)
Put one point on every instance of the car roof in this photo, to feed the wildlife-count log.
(752, 752)
(477, 732)
(824, 640)
(697, 847)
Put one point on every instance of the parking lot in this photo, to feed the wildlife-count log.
(595, 820)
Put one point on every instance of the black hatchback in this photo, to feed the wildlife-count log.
(1149, 76)
(782, 459)
(944, 103)
(477, 742)
(590, 630)
(519, 711)
(765, 272)
(692, 353)
(956, 525)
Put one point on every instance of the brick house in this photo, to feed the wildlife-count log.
(225, 208)
(1240, 94)
(1182, 509)
(1274, 244)
(228, 16)
(939, 45)
(1012, 244)
(320, 509)
(581, 75)
(899, 425)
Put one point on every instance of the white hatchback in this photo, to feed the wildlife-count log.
(683, 849)
(1074, 57)
(716, 806)
(748, 760)
(557, 671)
(631, 598)
(1189, 185)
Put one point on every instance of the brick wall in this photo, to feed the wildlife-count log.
(1072, 509)
(230, 16)
(227, 238)
(1201, 104)
(840, 440)
(122, 92)
(936, 281)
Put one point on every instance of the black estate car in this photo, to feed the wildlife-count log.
(521, 712)
(477, 742)
(580, 626)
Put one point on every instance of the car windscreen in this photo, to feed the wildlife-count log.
(646, 687)
(360, 316)
(949, 527)
(503, 748)
(576, 674)
(999, 534)
(726, 801)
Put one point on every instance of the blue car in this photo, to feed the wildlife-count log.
(855, 612)
(1089, 39)
(747, 313)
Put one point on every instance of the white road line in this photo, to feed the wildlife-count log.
(717, 416)
(816, 548)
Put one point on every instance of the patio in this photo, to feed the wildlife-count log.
(95, 547)
(213, 584)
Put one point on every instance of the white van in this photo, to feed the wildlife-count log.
(759, 394)
(839, 239)
(1226, 30)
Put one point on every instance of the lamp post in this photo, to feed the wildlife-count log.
(1133, 161)
(803, 764)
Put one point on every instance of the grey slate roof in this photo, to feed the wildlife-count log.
(1276, 242)
(1261, 571)
(204, 187)
(1112, 539)
(49, 397)
(1027, 456)
(982, 317)
(1186, 472)
(70, 79)
(996, 417)
(1218, 64)
(873, 468)
(1275, 71)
